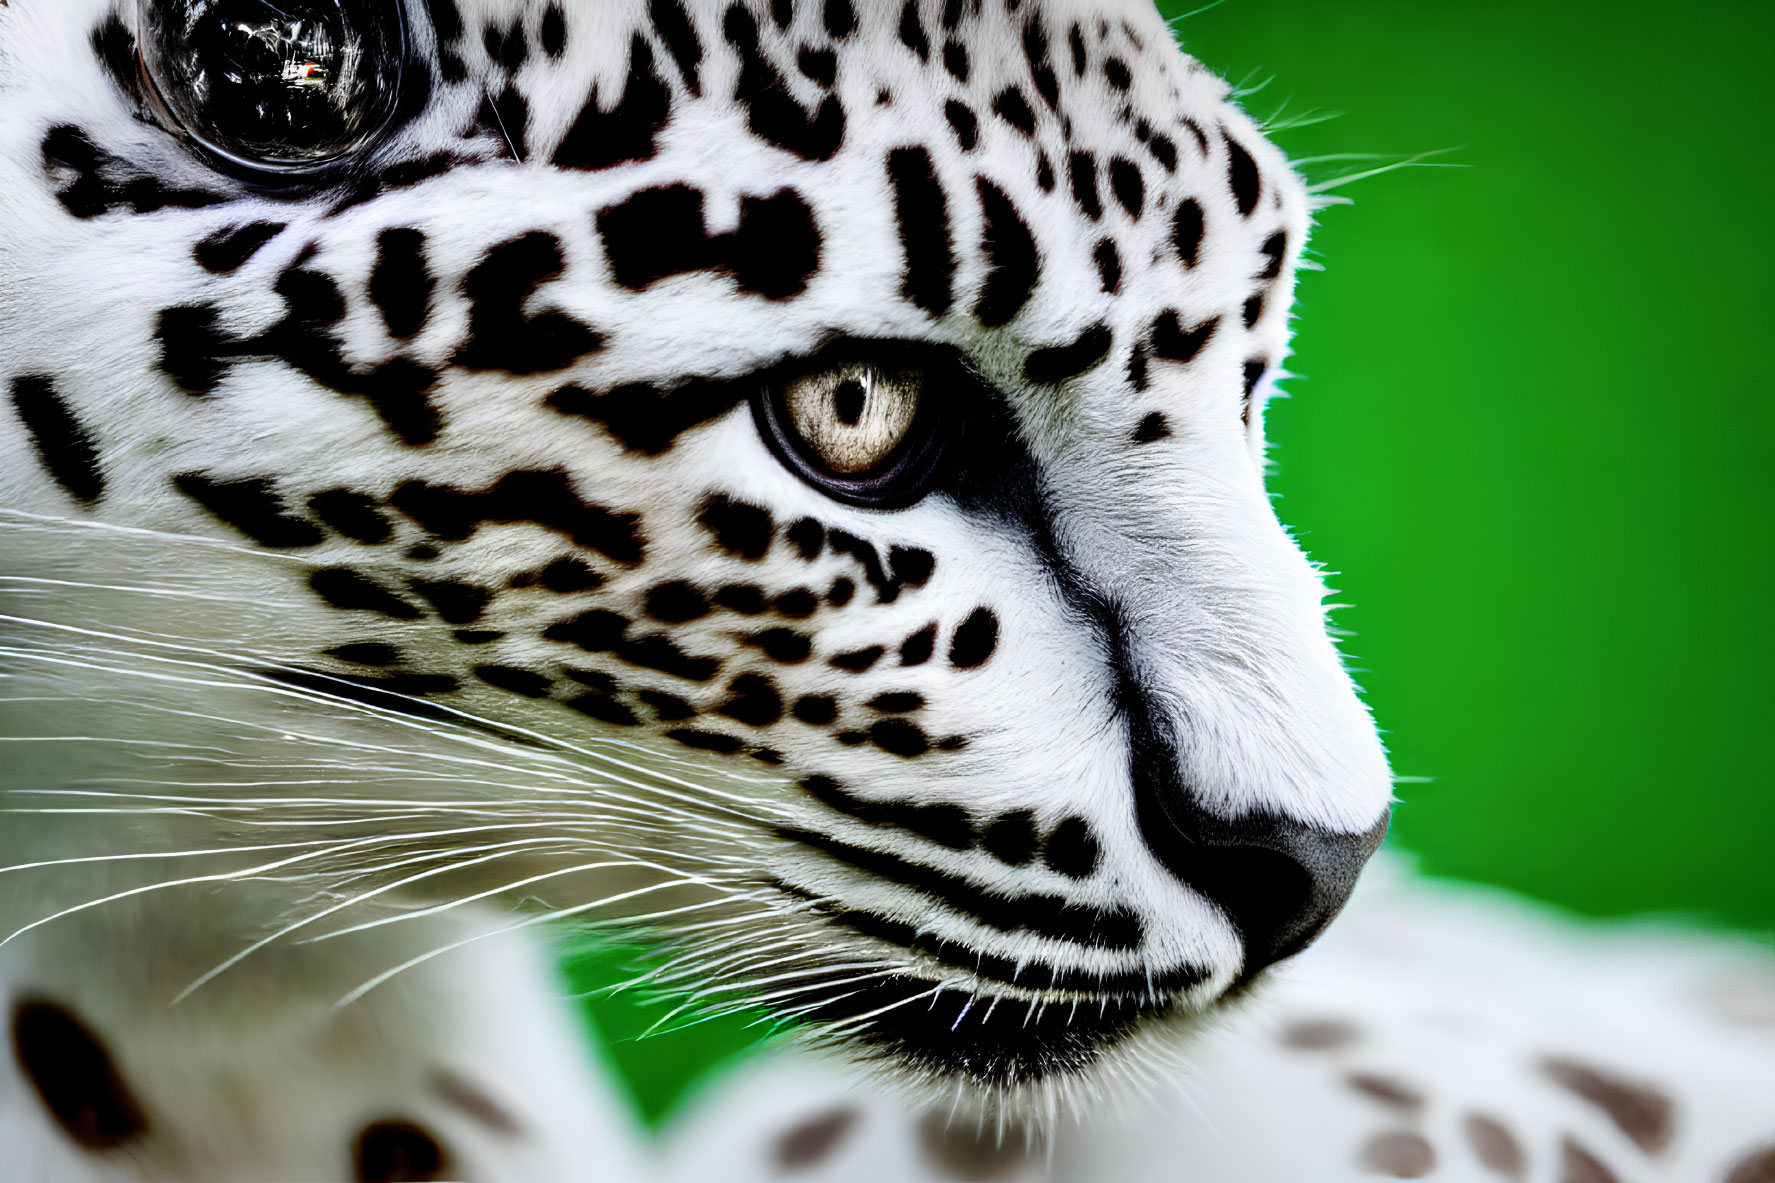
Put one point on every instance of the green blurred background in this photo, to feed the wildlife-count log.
(1533, 431)
(1533, 436)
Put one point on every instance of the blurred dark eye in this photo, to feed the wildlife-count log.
(280, 85)
(857, 430)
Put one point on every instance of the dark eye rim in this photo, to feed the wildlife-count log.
(909, 471)
(296, 177)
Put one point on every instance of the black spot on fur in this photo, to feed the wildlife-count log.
(840, 593)
(910, 566)
(1253, 310)
(659, 232)
(63, 444)
(819, 65)
(596, 631)
(500, 335)
(1041, 71)
(840, 18)
(782, 13)
(1071, 850)
(252, 506)
(900, 737)
(116, 50)
(1195, 130)
(453, 601)
(739, 528)
(91, 182)
(526, 682)
(1044, 172)
(604, 708)
(1011, 837)
(1117, 74)
(808, 538)
(545, 498)
(952, 14)
(1137, 368)
(1011, 257)
(74, 1076)
(963, 122)
(916, 649)
(858, 660)
(1242, 176)
(370, 653)
(1010, 106)
(668, 707)
(1173, 342)
(565, 576)
(946, 825)
(676, 602)
(1274, 250)
(1186, 231)
(352, 514)
(644, 418)
(229, 248)
(553, 33)
(1075, 41)
(397, 1152)
(1109, 265)
(1057, 363)
(974, 640)
(922, 212)
(743, 598)
(771, 110)
(508, 49)
(896, 702)
(401, 285)
(1127, 184)
(707, 741)
(753, 700)
(955, 60)
(1081, 170)
(1163, 151)
(344, 588)
(598, 680)
(658, 652)
(782, 645)
(812, 1142)
(817, 710)
(912, 34)
(600, 139)
(1153, 427)
(674, 26)
(1254, 368)
(797, 604)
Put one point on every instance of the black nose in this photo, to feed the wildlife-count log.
(1280, 881)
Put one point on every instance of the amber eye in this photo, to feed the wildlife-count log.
(852, 417)
(859, 430)
(276, 85)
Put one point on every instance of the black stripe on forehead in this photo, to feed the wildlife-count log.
(659, 232)
(1012, 261)
(923, 215)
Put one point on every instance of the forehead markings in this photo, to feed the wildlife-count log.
(599, 139)
(771, 111)
(229, 248)
(660, 232)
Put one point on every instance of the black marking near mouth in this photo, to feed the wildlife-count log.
(993, 1040)
(1042, 915)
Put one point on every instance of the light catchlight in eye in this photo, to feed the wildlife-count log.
(279, 86)
(859, 430)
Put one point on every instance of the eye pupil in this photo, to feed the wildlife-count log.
(848, 400)
(284, 84)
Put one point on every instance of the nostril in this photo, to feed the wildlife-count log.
(1279, 881)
